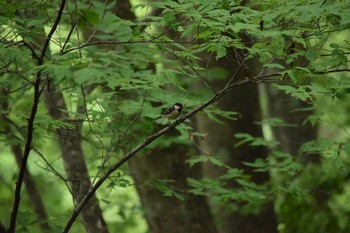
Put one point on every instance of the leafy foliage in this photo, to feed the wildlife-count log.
(116, 74)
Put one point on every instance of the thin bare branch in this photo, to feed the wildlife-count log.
(205, 80)
(332, 71)
(52, 169)
(68, 37)
(139, 147)
(52, 31)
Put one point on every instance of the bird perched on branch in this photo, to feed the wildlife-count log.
(173, 112)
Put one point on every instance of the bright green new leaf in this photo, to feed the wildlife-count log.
(87, 74)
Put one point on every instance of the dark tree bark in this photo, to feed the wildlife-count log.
(168, 214)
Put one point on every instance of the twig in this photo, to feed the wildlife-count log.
(205, 80)
(109, 154)
(332, 71)
(52, 169)
(52, 31)
(68, 37)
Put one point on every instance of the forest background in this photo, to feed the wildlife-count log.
(262, 144)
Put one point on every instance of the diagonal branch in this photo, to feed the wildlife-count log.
(52, 31)
(139, 147)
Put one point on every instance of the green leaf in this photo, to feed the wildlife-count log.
(238, 27)
(87, 74)
(125, 33)
(258, 163)
(163, 186)
(219, 50)
(302, 92)
(274, 65)
(218, 115)
(311, 55)
(129, 107)
(347, 148)
(207, 158)
(318, 146)
(293, 75)
(169, 18)
(233, 173)
(89, 16)
(253, 141)
(334, 45)
(189, 30)
(58, 72)
(276, 122)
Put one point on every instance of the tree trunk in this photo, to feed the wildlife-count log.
(74, 162)
(220, 140)
(168, 214)
(291, 138)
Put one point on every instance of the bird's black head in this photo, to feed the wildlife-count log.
(177, 106)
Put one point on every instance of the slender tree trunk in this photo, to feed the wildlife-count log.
(286, 107)
(30, 185)
(74, 162)
(33, 192)
(291, 110)
(220, 142)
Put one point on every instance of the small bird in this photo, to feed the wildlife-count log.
(173, 112)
